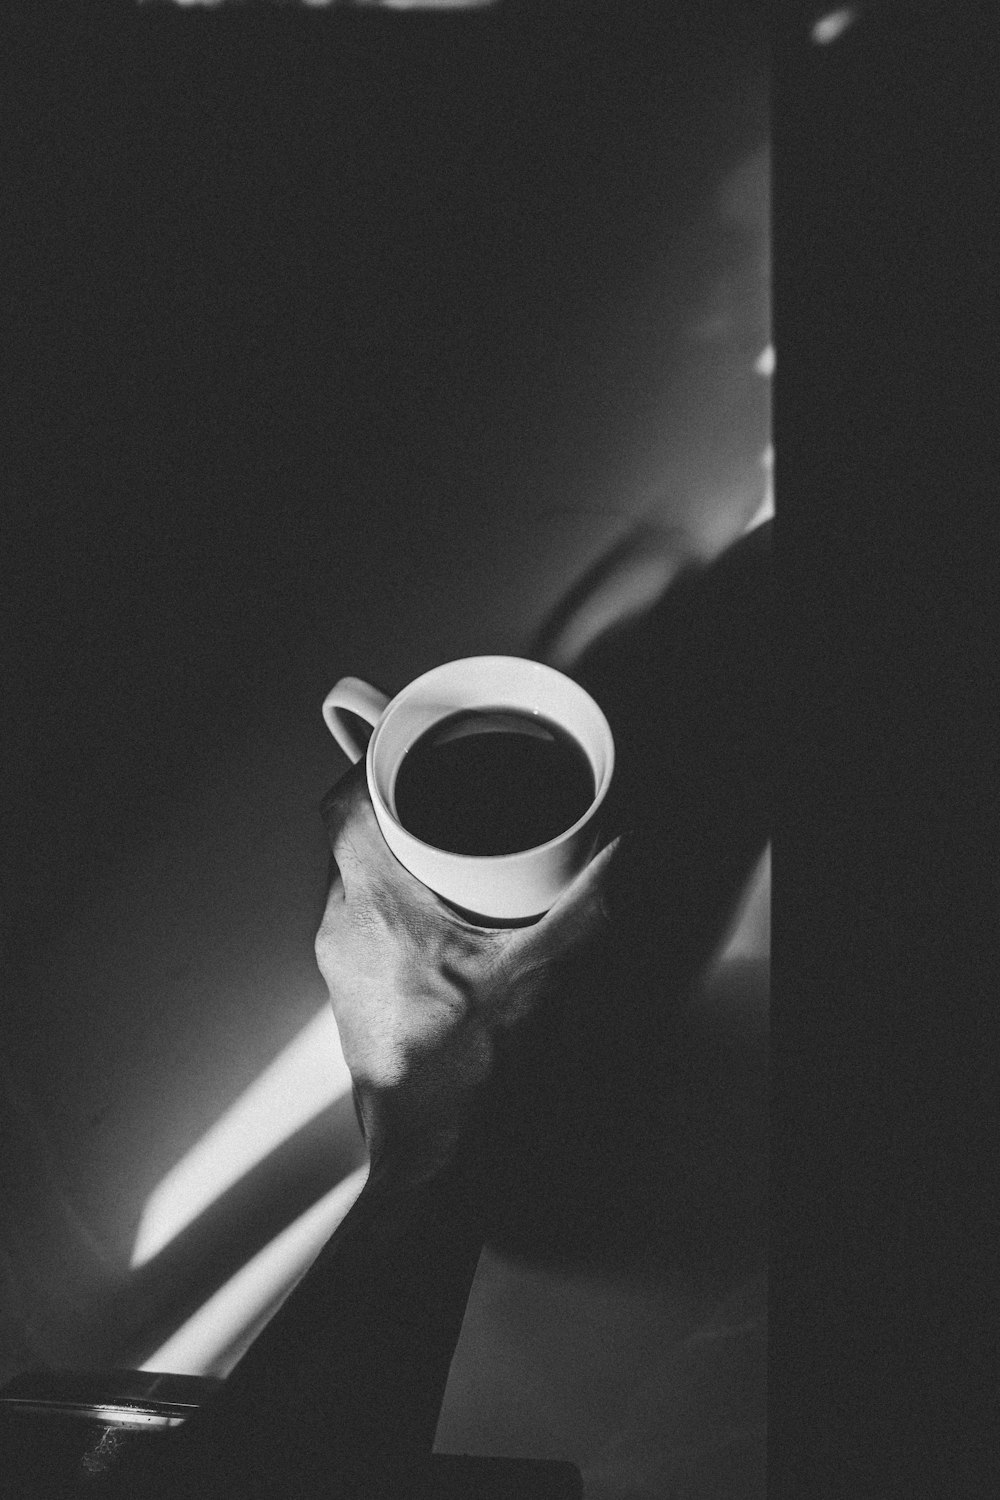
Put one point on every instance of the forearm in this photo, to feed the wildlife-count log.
(352, 1368)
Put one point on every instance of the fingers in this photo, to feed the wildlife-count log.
(362, 857)
(342, 796)
(355, 838)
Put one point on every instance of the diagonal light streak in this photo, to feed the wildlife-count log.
(214, 1337)
(306, 1078)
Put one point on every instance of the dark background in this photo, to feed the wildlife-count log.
(884, 1348)
(165, 657)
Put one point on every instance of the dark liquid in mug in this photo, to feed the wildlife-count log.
(492, 781)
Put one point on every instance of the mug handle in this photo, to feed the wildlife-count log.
(359, 698)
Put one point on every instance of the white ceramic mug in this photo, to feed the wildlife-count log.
(501, 887)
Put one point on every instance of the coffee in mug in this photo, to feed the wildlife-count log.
(492, 781)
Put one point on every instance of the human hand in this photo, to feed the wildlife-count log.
(424, 1000)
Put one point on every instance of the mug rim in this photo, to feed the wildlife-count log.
(516, 854)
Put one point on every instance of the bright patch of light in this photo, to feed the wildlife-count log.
(307, 1077)
(208, 1337)
(831, 26)
(764, 363)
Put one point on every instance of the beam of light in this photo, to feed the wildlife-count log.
(304, 1079)
(214, 1337)
(829, 27)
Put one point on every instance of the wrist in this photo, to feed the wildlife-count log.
(402, 1187)
(413, 1144)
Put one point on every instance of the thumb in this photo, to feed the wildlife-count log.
(583, 911)
(356, 843)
